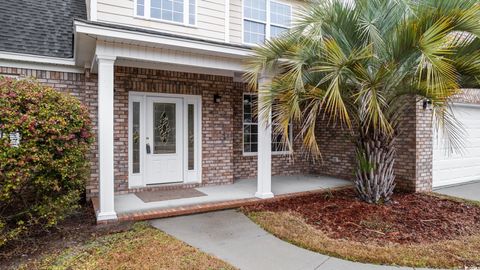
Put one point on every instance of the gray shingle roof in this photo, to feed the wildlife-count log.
(39, 27)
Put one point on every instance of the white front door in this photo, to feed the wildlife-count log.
(164, 140)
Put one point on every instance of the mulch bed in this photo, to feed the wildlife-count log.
(409, 219)
(79, 228)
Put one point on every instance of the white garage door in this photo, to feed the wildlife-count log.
(450, 169)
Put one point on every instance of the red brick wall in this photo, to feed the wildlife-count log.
(414, 144)
(217, 126)
(223, 159)
(245, 166)
(469, 96)
(413, 163)
(82, 86)
(337, 150)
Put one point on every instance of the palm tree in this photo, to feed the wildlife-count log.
(361, 63)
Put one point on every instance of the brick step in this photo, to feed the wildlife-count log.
(201, 208)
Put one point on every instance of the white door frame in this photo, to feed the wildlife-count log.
(137, 180)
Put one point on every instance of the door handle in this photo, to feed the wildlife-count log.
(148, 148)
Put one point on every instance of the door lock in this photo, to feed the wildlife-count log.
(148, 148)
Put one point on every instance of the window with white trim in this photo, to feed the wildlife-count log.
(250, 128)
(178, 11)
(264, 19)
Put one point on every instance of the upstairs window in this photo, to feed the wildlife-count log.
(264, 19)
(177, 11)
(141, 8)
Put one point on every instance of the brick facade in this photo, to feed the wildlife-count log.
(222, 125)
(414, 145)
(245, 166)
(82, 86)
(217, 124)
(469, 96)
(337, 148)
(414, 153)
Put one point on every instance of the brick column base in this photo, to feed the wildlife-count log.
(414, 159)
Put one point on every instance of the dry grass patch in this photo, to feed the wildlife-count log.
(444, 254)
(142, 247)
(456, 199)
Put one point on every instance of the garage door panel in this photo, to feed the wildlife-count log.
(456, 163)
(451, 169)
(473, 134)
(457, 173)
(443, 156)
(454, 181)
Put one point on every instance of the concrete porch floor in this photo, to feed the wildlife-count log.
(241, 190)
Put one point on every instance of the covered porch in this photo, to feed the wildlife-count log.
(139, 206)
(171, 116)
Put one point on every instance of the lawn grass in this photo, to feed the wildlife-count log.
(142, 247)
(290, 227)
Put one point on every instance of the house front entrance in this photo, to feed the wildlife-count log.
(164, 139)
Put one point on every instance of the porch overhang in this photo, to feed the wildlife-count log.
(109, 45)
(136, 46)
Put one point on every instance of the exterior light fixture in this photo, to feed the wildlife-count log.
(217, 98)
(427, 104)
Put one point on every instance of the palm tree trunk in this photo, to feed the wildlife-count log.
(375, 177)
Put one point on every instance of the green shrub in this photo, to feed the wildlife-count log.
(43, 177)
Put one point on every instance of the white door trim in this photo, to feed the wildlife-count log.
(137, 180)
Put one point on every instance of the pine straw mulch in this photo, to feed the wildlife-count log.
(420, 230)
(410, 218)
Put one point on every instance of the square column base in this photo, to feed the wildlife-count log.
(266, 195)
(106, 216)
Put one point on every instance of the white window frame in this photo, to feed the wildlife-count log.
(186, 13)
(288, 152)
(267, 23)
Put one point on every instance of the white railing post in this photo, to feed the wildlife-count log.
(105, 137)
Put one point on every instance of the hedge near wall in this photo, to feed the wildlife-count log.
(44, 139)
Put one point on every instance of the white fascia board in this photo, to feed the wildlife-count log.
(37, 59)
(162, 41)
(163, 55)
(27, 61)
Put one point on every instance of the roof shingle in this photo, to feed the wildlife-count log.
(39, 27)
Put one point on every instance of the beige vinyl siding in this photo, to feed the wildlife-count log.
(236, 21)
(210, 19)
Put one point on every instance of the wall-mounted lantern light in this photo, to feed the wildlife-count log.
(427, 104)
(217, 98)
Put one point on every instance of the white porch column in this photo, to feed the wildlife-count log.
(264, 171)
(105, 137)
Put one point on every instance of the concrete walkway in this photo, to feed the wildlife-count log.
(469, 191)
(234, 238)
